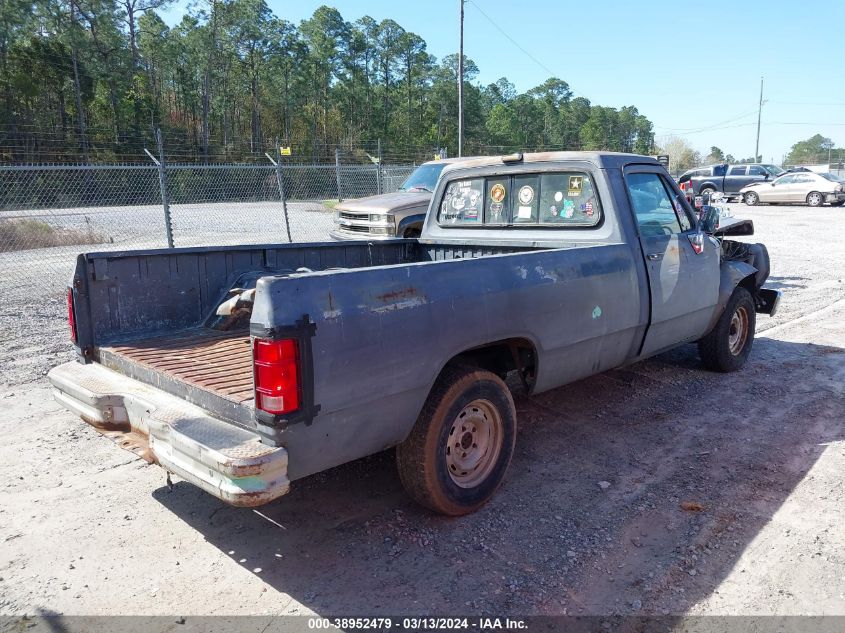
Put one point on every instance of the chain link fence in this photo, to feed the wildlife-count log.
(50, 213)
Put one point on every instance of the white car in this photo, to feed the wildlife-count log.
(799, 187)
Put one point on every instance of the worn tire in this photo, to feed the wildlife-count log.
(815, 199)
(707, 191)
(422, 459)
(751, 198)
(720, 350)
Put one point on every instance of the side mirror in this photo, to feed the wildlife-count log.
(766, 177)
(709, 220)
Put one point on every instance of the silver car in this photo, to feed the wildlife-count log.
(389, 215)
(796, 188)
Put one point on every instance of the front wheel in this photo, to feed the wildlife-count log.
(751, 198)
(727, 346)
(815, 199)
(462, 443)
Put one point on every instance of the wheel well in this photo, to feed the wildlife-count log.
(502, 357)
(749, 284)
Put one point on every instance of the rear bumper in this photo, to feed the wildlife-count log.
(225, 460)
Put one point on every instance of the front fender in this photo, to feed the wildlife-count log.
(731, 274)
(409, 222)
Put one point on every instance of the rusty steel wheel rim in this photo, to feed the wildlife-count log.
(474, 443)
(738, 331)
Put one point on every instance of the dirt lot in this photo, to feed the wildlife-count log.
(757, 458)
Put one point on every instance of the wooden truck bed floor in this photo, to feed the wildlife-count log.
(211, 360)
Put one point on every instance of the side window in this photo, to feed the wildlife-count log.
(737, 171)
(526, 202)
(785, 180)
(652, 205)
(756, 170)
(568, 198)
(462, 202)
(497, 201)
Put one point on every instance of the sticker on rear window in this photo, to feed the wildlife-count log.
(575, 185)
(526, 195)
(497, 193)
(524, 212)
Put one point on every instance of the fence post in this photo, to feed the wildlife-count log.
(162, 181)
(337, 172)
(378, 169)
(281, 183)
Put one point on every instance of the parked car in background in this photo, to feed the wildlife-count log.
(728, 179)
(389, 215)
(799, 187)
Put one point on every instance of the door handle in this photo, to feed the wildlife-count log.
(655, 256)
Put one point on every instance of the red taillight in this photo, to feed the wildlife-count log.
(276, 375)
(71, 318)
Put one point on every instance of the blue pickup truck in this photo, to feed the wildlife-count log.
(243, 368)
(726, 179)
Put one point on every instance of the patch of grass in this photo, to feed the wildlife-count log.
(330, 204)
(22, 234)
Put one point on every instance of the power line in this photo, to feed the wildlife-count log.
(515, 43)
(711, 126)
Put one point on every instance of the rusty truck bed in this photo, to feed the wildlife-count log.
(217, 363)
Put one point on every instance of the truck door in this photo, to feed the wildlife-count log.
(757, 173)
(683, 283)
(736, 179)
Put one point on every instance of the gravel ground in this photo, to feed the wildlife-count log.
(657, 488)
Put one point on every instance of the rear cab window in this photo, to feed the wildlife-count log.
(565, 198)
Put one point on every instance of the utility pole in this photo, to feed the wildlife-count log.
(461, 85)
(759, 113)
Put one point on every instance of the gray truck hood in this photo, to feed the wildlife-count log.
(387, 202)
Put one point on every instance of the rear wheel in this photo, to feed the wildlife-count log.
(751, 198)
(815, 199)
(727, 346)
(707, 191)
(462, 443)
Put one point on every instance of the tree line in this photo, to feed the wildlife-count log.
(93, 79)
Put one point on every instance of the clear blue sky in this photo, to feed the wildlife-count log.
(693, 68)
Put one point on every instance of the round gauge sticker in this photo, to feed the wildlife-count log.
(497, 193)
(526, 194)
